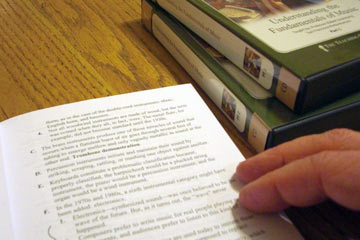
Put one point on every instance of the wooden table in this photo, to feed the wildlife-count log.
(55, 52)
(60, 51)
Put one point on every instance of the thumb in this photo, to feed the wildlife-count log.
(307, 181)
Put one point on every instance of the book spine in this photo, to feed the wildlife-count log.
(242, 118)
(284, 84)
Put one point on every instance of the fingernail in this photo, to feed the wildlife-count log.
(244, 200)
(245, 173)
(250, 199)
(240, 173)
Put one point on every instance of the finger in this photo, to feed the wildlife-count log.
(306, 182)
(337, 139)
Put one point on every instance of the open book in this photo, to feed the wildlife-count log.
(154, 164)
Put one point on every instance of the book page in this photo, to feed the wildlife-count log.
(146, 165)
(5, 216)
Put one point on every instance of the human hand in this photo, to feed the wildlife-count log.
(303, 172)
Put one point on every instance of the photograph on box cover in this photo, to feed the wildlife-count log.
(242, 11)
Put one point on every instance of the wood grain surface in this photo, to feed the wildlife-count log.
(60, 51)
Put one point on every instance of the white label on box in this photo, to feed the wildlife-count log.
(302, 27)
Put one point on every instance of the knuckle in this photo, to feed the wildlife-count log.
(319, 164)
(322, 161)
(339, 132)
(326, 164)
(318, 161)
(341, 135)
(322, 158)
